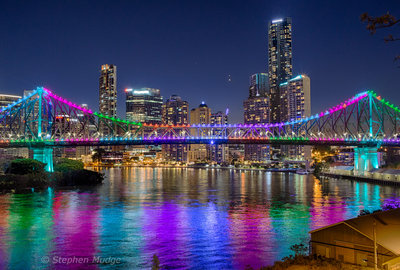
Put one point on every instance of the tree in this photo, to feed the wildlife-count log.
(299, 249)
(384, 21)
(65, 164)
(98, 154)
(26, 166)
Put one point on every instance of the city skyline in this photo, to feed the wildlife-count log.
(365, 63)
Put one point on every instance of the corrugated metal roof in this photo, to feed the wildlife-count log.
(387, 228)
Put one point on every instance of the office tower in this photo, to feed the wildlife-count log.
(6, 100)
(9, 153)
(175, 111)
(200, 115)
(258, 85)
(220, 152)
(107, 96)
(279, 60)
(295, 105)
(219, 118)
(144, 105)
(257, 111)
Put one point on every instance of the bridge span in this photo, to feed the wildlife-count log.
(44, 120)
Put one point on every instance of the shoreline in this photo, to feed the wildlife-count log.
(198, 167)
(325, 175)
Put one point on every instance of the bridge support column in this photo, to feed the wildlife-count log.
(365, 159)
(44, 155)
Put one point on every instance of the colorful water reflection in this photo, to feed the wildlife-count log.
(191, 219)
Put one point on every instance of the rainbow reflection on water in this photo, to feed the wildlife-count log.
(190, 218)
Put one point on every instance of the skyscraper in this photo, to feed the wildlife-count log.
(220, 152)
(257, 111)
(258, 85)
(6, 100)
(200, 115)
(107, 95)
(175, 111)
(296, 104)
(279, 60)
(144, 105)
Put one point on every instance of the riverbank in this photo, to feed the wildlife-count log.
(28, 175)
(325, 175)
(292, 170)
(377, 176)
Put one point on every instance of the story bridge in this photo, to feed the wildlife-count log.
(44, 120)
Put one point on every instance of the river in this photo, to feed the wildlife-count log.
(189, 218)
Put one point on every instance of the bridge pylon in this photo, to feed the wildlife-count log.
(365, 159)
(45, 155)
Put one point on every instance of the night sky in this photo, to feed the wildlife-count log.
(190, 48)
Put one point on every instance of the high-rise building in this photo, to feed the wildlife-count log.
(220, 152)
(144, 105)
(279, 60)
(6, 100)
(295, 105)
(200, 115)
(107, 96)
(5, 153)
(175, 111)
(219, 118)
(258, 85)
(256, 111)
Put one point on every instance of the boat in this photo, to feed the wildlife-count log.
(302, 171)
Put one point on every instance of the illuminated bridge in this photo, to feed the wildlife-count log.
(43, 120)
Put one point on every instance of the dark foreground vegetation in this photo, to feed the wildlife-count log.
(25, 175)
(300, 261)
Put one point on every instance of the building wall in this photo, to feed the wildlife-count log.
(107, 95)
(258, 85)
(343, 243)
(219, 153)
(175, 111)
(295, 104)
(257, 111)
(144, 105)
(200, 152)
(279, 60)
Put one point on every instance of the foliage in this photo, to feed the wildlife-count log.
(77, 178)
(23, 183)
(319, 167)
(98, 154)
(26, 166)
(299, 249)
(384, 21)
(65, 165)
(311, 262)
(155, 263)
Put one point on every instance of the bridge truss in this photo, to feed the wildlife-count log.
(44, 119)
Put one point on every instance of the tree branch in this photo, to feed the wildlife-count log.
(383, 21)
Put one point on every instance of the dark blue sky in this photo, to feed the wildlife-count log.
(190, 47)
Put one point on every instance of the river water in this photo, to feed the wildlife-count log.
(189, 218)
